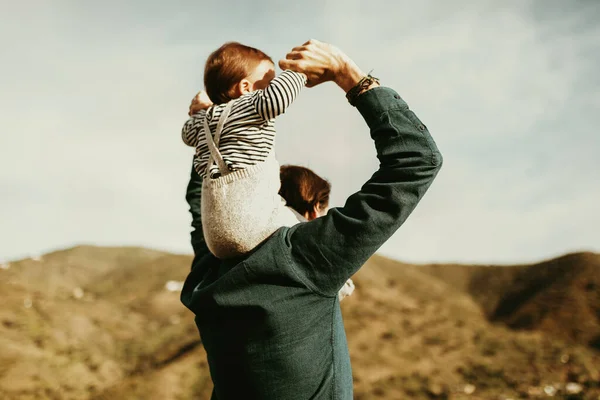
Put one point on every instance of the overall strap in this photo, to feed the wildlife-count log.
(213, 144)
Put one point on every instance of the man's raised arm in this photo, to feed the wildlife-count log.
(330, 249)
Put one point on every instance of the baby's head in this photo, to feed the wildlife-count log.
(234, 69)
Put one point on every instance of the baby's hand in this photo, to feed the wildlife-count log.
(200, 102)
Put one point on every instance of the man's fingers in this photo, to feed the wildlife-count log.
(286, 64)
(297, 49)
(311, 41)
(289, 64)
(294, 55)
(294, 65)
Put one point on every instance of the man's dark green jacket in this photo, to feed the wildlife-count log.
(271, 321)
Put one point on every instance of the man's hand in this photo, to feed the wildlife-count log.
(200, 102)
(322, 62)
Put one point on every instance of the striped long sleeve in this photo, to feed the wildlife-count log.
(191, 129)
(280, 93)
(249, 133)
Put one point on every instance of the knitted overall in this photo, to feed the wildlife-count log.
(241, 208)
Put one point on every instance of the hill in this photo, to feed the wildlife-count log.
(106, 323)
(560, 296)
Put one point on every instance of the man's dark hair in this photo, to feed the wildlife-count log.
(302, 189)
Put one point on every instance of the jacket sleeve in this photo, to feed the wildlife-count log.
(193, 198)
(279, 95)
(204, 262)
(327, 251)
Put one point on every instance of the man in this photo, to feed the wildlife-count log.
(270, 321)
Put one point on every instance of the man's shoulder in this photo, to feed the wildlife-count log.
(274, 249)
(272, 254)
(277, 256)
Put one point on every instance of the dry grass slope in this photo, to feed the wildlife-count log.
(559, 296)
(98, 323)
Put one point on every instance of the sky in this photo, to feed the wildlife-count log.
(94, 94)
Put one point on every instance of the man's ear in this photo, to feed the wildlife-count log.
(310, 215)
(316, 210)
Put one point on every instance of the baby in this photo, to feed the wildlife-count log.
(234, 140)
(234, 137)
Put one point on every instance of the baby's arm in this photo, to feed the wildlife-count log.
(281, 92)
(191, 128)
(200, 103)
